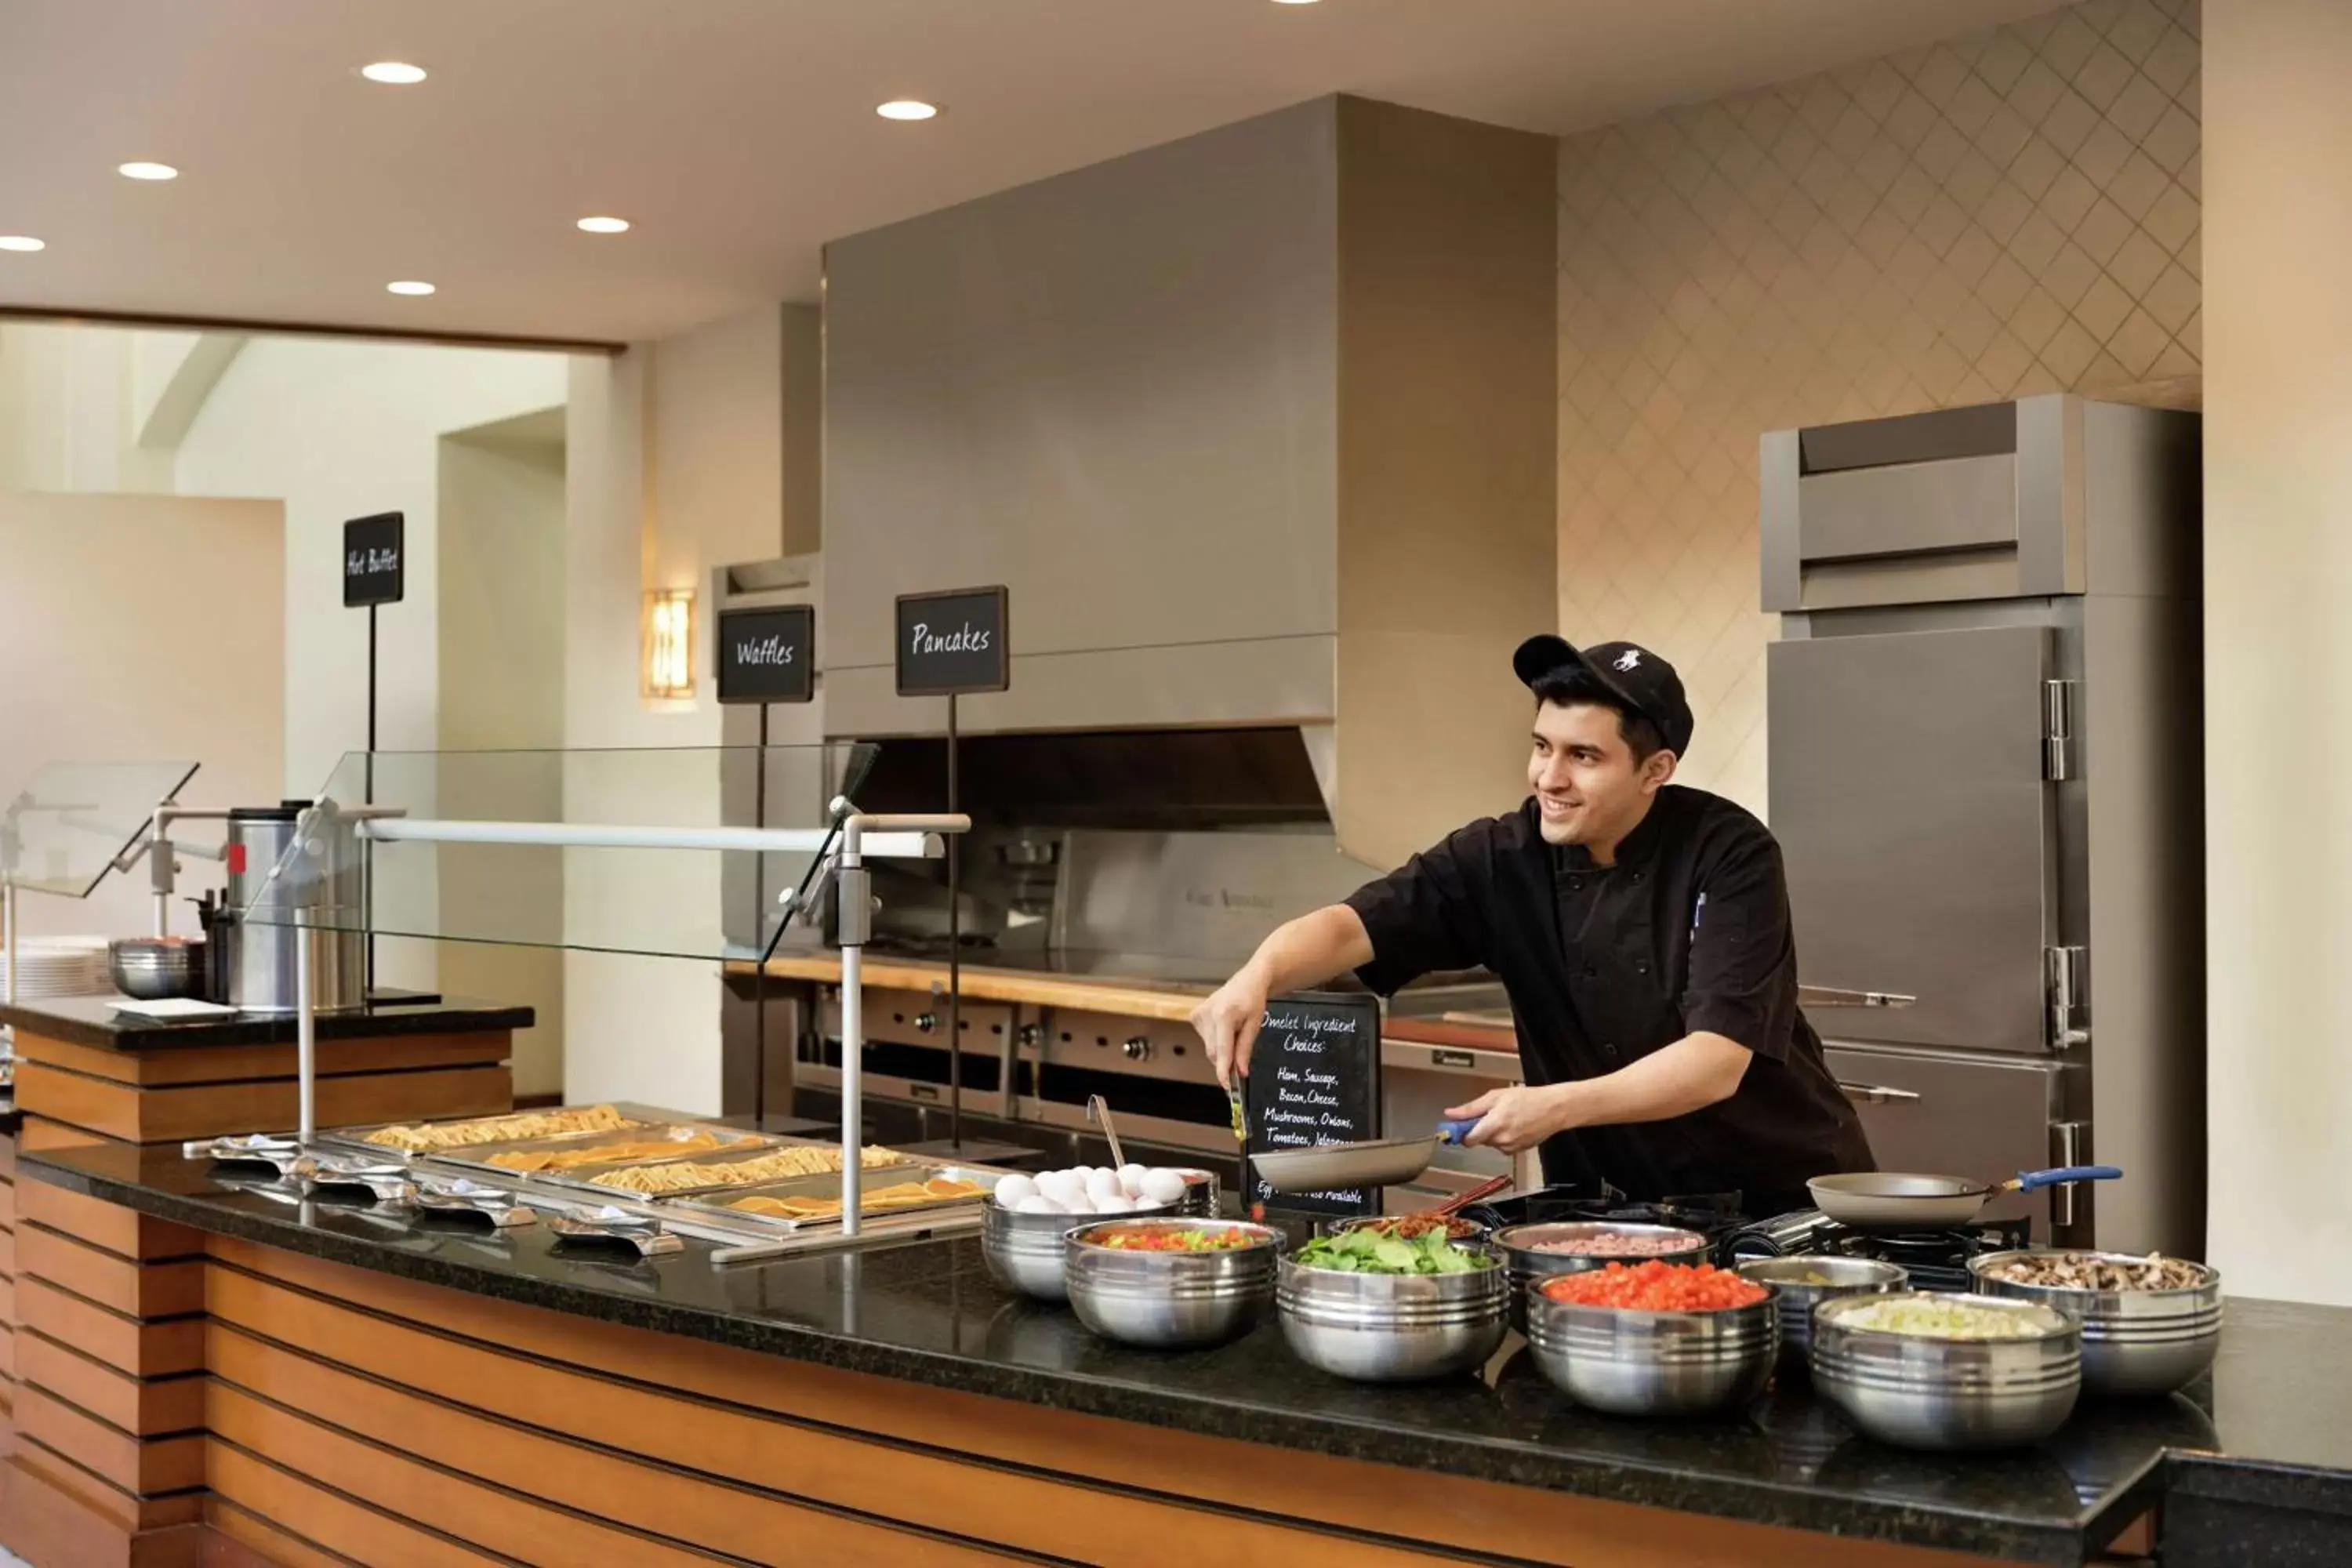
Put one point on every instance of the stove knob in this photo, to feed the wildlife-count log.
(926, 1022)
(1137, 1049)
(1031, 1037)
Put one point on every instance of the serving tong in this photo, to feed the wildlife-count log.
(462, 1198)
(310, 1169)
(610, 1226)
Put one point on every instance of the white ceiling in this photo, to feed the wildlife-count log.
(738, 135)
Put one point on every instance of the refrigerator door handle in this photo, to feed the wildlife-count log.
(1836, 996)
(1876, 1094)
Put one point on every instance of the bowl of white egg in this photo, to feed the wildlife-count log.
(1028, 1216)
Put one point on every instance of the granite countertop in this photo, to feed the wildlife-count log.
(88, 1021)
(928, 1312)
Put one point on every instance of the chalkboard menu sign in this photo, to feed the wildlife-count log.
(373, 560)
(1314, 1078)
(953, 642)
(767, 654)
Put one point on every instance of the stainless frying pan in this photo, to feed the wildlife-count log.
(1891, 1200)
(1320, 1167)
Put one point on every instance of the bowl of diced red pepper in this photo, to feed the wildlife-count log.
(1655, 1338)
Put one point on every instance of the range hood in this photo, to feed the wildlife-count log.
(1257, 427)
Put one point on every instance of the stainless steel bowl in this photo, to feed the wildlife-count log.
(1921, 1393)
(153, 967)
(1632, 1362)
(1392, 1328)
(1024, 1251)
(2136, 1343)
(1799, 1293)
(1170, 1300)
(1529, 1266)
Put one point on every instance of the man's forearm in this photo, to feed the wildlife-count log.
(1310, 950)
(1695, 1071)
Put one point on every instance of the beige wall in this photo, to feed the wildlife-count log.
(676, 463)
(502, 692)
(2278, 656)
(140, 628)
(2012, 212)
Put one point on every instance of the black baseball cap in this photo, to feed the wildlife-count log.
(1640, 679)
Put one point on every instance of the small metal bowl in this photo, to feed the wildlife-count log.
(1024, 1251)
(152, 968)
(1918, 1392)
(1170, 1301)
(1632, 1362)
(1392, 1328)
(1523, 1247)
(1807, 1280)
(2136, 1343)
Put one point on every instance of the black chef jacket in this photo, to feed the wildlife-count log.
(1688, 931)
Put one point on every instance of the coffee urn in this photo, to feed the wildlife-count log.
(316, 897)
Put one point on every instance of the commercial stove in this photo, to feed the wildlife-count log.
(1937, 1258)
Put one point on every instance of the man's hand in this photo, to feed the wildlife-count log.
(1227, 1024)
(1517, 1118)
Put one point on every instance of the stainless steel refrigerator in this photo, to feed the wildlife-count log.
(1985, 753)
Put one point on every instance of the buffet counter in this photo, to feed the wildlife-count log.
(396, 1392)
(102, 1330)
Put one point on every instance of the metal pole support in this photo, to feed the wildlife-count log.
(853, 889)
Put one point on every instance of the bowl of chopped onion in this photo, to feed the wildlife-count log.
(1927, 1371)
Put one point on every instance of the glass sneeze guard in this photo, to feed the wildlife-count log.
(70, 823)
(607, 851)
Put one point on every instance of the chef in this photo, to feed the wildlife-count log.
(1642, 930)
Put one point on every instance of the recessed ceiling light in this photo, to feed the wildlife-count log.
(148, 172)
(906, 109)
(393, 73)
(408, 286)
(20, 242)
(606, 225)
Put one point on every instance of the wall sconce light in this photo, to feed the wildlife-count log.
(667, 638)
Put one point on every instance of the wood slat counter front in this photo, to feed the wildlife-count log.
(379, 1391)
(102, 1307)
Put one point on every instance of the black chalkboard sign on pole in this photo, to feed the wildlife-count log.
(373, 559)
(767, 654)
(954, 642)
(375, 573)
(950, 643)
(1314, 1078)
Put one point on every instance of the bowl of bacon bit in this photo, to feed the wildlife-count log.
(1655, 1338)
(1170, 1283)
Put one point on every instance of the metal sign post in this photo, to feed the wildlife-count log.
(950, 643)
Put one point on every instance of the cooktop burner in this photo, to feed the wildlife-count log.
(1937, 1259)
(1715, 1216)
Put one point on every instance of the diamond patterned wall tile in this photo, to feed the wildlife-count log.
(2008, 213)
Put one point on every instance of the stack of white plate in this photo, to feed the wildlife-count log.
(59, 967)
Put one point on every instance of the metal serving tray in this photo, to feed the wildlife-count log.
(719, 1205)
(481, 1156)
(646, 1120)
(582, 1181)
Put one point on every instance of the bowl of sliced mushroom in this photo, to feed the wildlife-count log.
(2151, 1325)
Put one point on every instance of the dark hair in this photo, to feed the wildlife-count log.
(1574, 685)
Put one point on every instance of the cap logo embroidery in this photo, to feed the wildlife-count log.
(1628, 659)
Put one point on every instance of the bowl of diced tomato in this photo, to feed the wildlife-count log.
(1655, 1338)
(1170, 1283)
